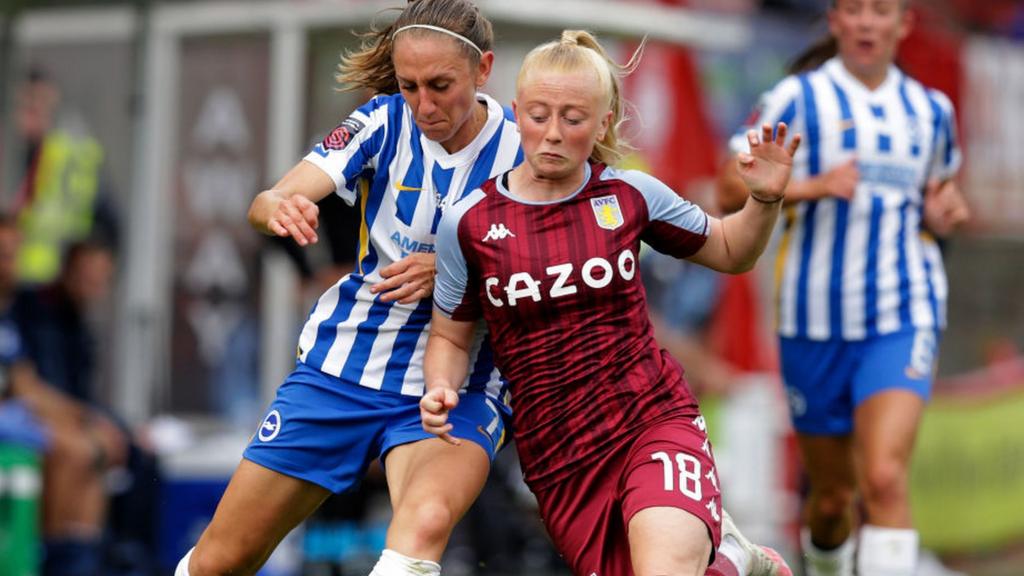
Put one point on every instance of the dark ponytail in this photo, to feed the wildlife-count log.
(814, 56)
(371, 67)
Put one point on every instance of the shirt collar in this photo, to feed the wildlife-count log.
(836, 70)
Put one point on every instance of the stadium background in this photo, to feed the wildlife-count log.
(198, 105)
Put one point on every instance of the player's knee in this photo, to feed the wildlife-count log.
(885, 482)
(432, 521)
(110, 445)
(832, 504)
(71, 453)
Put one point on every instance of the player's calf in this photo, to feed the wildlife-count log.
(220, 561)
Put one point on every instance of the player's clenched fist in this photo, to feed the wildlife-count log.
(407, 280)
(434, 408)
(295, 216)
(945, 207)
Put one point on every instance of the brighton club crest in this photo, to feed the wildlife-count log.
(607, 212)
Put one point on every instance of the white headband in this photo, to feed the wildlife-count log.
(441, 30)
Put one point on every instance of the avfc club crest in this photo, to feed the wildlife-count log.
(607, 212)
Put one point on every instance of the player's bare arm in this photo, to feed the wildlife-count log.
(408, 280)
(289, 208)
(838, 182)
(735, 242)
(445, 366)
(51, 404)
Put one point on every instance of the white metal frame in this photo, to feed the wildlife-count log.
(659, 22)
(74, 25)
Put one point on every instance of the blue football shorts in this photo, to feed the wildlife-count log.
(327, 432)
(827, 380)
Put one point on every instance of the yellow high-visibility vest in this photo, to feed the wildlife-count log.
(61, 206)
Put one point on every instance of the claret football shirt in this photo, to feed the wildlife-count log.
(559, 286)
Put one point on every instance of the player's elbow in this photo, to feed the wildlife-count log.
(743, 266)
(738, 265)
(729, 265)
(734, 259)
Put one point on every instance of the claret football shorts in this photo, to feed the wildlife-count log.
(668, 464)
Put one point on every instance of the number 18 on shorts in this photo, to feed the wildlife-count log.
(672, 465)
(665, 464)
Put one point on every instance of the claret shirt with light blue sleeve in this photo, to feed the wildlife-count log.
(558, 284)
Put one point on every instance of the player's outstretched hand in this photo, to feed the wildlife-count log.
(434, 408)
(408, 280)
(766, 169)
(295, 216)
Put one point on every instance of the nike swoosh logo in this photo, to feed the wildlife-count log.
(404, 188)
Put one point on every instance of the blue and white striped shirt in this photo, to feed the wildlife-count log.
(855, 269)
(402, 181)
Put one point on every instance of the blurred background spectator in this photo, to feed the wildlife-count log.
(63, 196)
(46, 412)
(54, 319)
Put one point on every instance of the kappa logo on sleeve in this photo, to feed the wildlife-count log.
(343, 134)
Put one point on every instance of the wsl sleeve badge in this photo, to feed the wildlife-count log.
(342, 135)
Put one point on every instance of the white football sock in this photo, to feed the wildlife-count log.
(182, 569)
(731, 549)
(887, 551)
(836, 562)
(392, 563)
